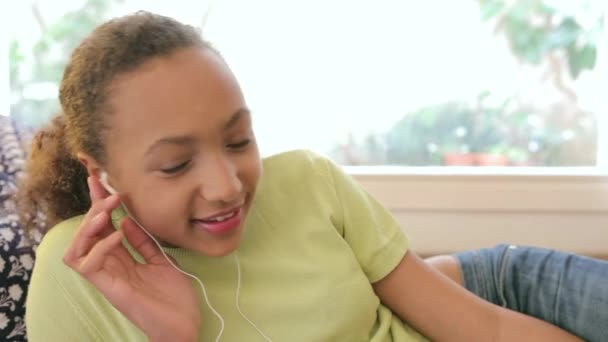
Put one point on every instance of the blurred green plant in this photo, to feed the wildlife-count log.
(559, 34)
(517, 134)
(49, 54)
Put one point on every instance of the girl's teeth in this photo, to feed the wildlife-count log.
(224, 217)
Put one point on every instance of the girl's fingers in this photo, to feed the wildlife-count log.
(96, 190)
(108, 204)
(86, 237)
(97, 236)
(97, 256)
(95, 226)
(143, 244)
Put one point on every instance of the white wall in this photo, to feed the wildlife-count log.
(447, 213)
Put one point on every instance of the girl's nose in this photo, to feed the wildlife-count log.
(220, 181)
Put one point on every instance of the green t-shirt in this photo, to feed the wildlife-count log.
(314, 243)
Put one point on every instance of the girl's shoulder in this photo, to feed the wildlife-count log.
(56, 241)
(296, 180)
(296, 167)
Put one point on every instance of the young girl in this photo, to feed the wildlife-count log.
(285, 249)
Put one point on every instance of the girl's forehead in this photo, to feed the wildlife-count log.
(185, 70)
(191, 90)
(191, 78)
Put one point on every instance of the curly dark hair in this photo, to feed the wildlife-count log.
(54, 185)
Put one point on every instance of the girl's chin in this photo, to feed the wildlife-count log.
(209, 244)
(217, 247)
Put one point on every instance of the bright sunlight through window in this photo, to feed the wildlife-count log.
(388, 82)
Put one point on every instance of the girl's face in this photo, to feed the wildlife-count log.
(181, 150)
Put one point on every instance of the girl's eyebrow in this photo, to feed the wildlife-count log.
(184, 140)
(234, 118)
(181, 140)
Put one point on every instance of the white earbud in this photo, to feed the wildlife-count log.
(103, 179)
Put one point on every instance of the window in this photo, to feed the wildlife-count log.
(407, 83)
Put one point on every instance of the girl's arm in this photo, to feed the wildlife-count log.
(444, 311)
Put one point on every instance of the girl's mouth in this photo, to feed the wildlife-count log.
(221, 224)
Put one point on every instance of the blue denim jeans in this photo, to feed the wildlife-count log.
(567, 290)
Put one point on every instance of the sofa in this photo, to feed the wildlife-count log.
(16, 248)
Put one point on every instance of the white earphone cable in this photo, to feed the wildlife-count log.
(219, 335)
(104, 181)
(238, 285)
(238, 293)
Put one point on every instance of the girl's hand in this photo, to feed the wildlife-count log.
(154, 296)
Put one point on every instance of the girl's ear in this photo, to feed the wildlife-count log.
(89, 163)
(94, 170)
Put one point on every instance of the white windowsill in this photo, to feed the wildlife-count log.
(451, 209)
(525, 190)
(472, 171)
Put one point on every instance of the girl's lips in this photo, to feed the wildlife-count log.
(226, 223)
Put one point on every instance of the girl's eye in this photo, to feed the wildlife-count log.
(240, 144)
(175, 169)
